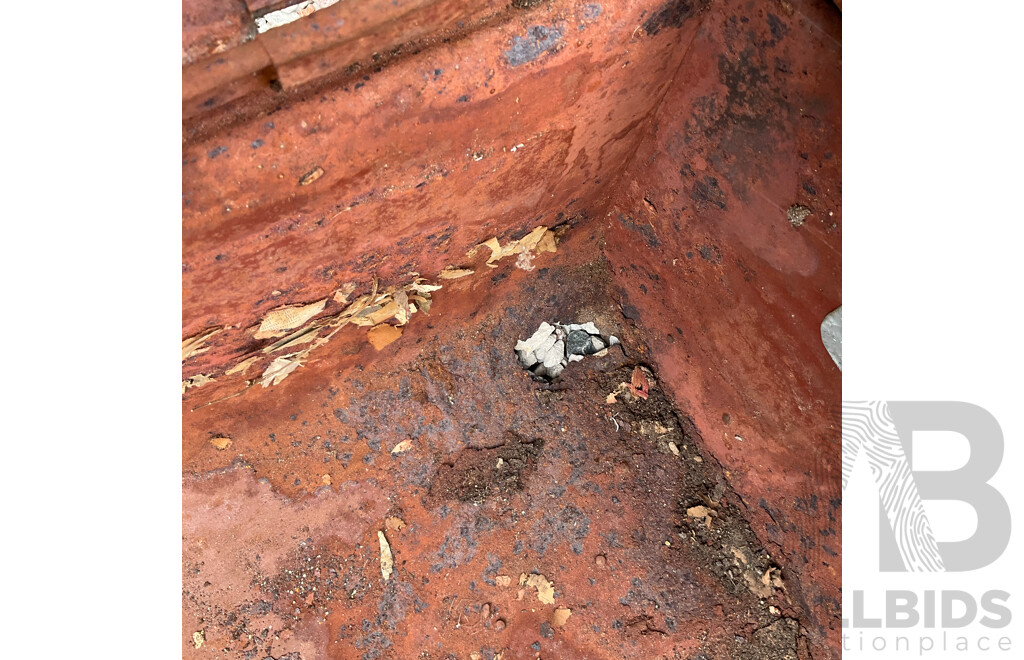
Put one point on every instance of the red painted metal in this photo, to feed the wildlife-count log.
(670, 139)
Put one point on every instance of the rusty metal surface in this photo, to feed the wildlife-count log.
(209, 27)
(670, 140)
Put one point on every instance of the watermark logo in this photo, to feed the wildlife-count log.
(948, 618)
(882, 431)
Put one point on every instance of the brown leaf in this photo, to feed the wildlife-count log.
(382, 335)
(279, 321)
(560, 616)
(387, 560)
(452, 273)
(394, 523)
(195, 344)
(641, 387)
(220, 442)
(280, 368)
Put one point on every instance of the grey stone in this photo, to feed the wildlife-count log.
(537, 339)
(591, 328)
(554, 371)
(578, 343)
(527, 359)
(555, 355)
(545, 346)
(612, 340)
(597, 344)
(832, 335)
(575, 358)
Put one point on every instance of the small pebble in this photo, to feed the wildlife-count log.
(600, 561)
(499, 625)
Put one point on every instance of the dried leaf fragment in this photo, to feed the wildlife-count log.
(387, 560)
(198, 638)
(382, 335)
(531, 240)
(394, 523)
(545, 588)
(452, 273)
(311, 176)
(279, 321)
(701, 512)
(279, 369)
(196, 344)
(503, 580)
(220, 442)
(195, 381)
(640, 385)
(547, 243)
(404, 445)
(242, 366)
(560, 616)
(418, 287)
(342, 294)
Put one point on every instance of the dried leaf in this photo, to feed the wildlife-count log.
(301, 336)
(402, 301)
(380, 315)
(701, 512)
(494, 246)
(195, 344)
(560, 616)
(423, 288)
(394, 523)
(311, 176)
(279, 369)
(242, 366)
(326, 480)
(220, 442)
(547, 243)
(198, 638)
(610, 398)
(404, 445)
(279, 321)
(531, 240)
(382, 335)
(342, 294)
(503, 580)
(545, 588)
(422, 303)
(195, 381)
(451, 273)
(387, 560)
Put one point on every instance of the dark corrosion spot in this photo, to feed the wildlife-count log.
(672, 14)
